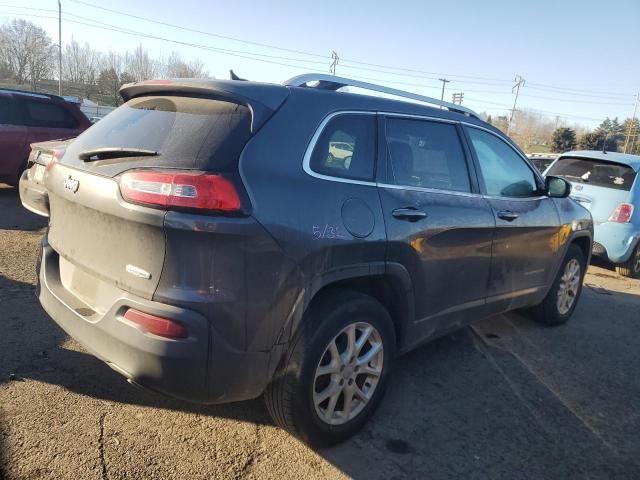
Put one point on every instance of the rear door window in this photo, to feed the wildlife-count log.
(187, 132)
(46, 114)
(425, 154)
(346, 148)
(594, 172)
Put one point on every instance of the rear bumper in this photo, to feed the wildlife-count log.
(201, 368)
(617, 239)
(33, 195)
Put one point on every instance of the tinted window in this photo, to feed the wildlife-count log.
(45, 114)
(187, 132)
(504, 172)
(426, 154)
(346, 148)
(4, 111)
(594, 172)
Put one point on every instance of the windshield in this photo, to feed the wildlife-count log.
(594, 172)
(186, 132)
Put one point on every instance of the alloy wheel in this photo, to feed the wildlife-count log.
(348, 373)
(569, 286)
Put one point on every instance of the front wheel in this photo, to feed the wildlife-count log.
(559, 304)
(630, 268)
(336, 370)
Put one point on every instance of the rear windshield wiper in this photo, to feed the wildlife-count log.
(103, 153)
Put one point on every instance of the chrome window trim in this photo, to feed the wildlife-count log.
(419, 117)
(306, 163)
(430, 190)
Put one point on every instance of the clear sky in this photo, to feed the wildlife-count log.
(580, 59)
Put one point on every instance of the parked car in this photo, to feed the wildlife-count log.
(33, 191)
(340, 153)
(203, 245)
(542, 160)
(606, 183)
(28, 117)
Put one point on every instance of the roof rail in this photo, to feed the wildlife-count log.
(331, 82)
(32, 93)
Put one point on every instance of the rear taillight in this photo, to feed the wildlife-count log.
(55, 158)
(164, 327)
(180, 190)
(622, 213)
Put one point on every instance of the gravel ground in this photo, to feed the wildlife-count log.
(506, 398)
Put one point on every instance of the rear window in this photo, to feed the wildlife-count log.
(187, 132)
(594, 172)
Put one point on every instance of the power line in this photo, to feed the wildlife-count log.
(252, 55)
(344, 62)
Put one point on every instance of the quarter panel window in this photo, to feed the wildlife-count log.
(505, 174)
(346, 148)
(425, 154)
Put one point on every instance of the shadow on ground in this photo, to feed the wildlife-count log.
(13, 216)
(506, 399)
(44, 359)
(456, 408)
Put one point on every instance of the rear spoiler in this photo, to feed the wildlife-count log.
(261, 99)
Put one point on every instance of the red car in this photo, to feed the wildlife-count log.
(28, 117)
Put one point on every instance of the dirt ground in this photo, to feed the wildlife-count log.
(506, 398)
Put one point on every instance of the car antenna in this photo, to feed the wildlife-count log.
(236, 77)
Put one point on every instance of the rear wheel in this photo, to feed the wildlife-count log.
(559, 304)
(336, 370)
(630, 268)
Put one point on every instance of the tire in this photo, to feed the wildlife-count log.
(293, 396)
(630, 268)
(551, 311)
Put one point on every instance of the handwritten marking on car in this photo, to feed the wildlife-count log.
(328, 232)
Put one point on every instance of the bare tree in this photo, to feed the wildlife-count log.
(177, 68)
(140, 65)
(81, 66)
(25, 49)
(111, 76)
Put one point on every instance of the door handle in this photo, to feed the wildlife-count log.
(507, 215)
(409, 213)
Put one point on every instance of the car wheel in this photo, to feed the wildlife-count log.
(559, 304)
(631, 268)
(335, 372)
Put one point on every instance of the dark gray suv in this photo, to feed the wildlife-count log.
(217, 240)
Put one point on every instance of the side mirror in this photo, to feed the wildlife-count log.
(557, 187)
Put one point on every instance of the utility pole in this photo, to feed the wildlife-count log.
(444, 82)
(633, 123)
(334, 61)
(516, 89)
(59, 48)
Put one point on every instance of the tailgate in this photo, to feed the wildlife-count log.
(116, 243)
(600, 201)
